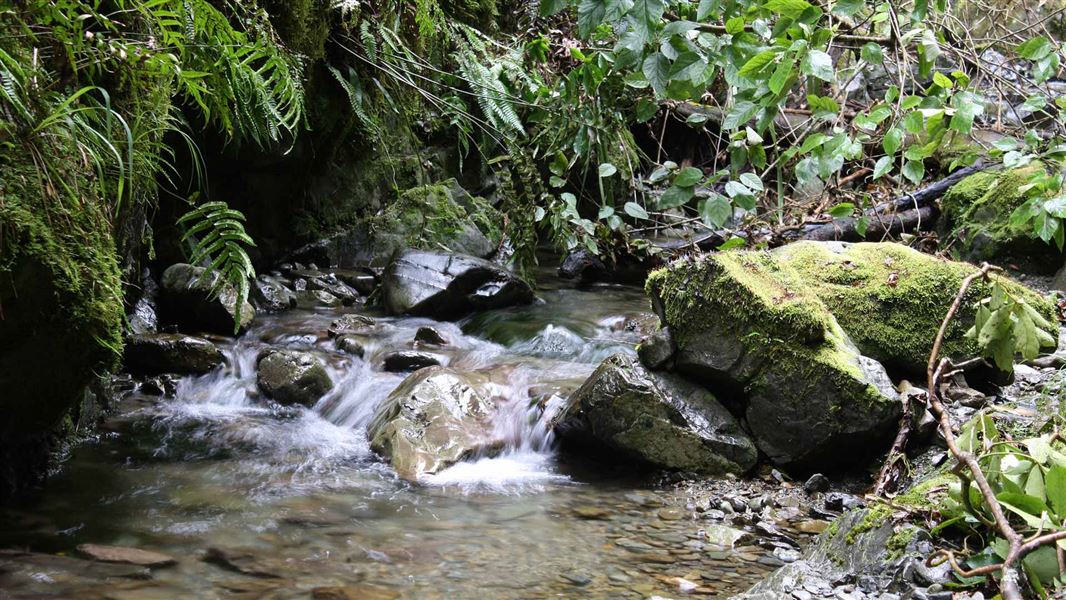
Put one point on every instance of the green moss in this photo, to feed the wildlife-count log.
(978, 211)
(891, 299)
(304, 25)
(60, 291)
(876, 516)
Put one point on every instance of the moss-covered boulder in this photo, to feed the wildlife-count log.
(977, 212)
(61, 311)
(658, 418)
(792, 337)
(434, 419)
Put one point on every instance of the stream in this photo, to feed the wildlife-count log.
(290, 502)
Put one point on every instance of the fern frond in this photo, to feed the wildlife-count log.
(222, 244)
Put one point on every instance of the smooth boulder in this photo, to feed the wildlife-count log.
(188, 299)
(443, 285)
(158, 353)
(291, 377)
(434, 419)
(659, 418)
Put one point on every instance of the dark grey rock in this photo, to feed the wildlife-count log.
(853, 550)
(363, 281)
(351, 344)
(271, 294)
(816, 483)
(329, 283)
(311, 299)
(430, 336)
(291, 377)
(157, 353)
(661, 419)
(447, 286)
(656, 350)
(351, 324)
(187, 300)
(397, 362)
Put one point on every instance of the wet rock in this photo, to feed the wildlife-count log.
(130, 556)
(816, 483)
(272, 295)
(15, 561)
(592, 513)
(340, 290)
(430, 336)
(351, 344)
(447, 286)
(157, 353)
(658, 418)
(435, 418)
(363, 281)
(656, 350)
(354, 592)
(241, 561)
(349, 324)
(291, 377)
(860, 547)
(311, 299)
(144, 318)
(187, 299)
(398, 362)
(162, 385)
(814, 526)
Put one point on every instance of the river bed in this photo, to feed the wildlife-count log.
(255, 500)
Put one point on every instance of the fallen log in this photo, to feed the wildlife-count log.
(907, 213)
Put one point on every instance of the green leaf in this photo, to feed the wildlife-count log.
(706, 8)
(782, 75)
(844, 209)
(646, 15)
(848, 7)
(756, 64)
(656, 69)
(590, 14)
(819, 64)
(791, 9)
(635, 210)
(883, 167)
(752, 181)
(861, 225)
(607, 169)
(605, 212)
(675, 196)
(645, 110)
(740, 114)
(735, 25)
(873, 53)
(1035, 49)
(716, 211)
(943, 81)
(893, 139)
(688, 177)
(914, 171)
(551, 7)
(1055, 485)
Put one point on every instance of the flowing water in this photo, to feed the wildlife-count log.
(295, 501)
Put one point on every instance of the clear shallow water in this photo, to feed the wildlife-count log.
(300, 496)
